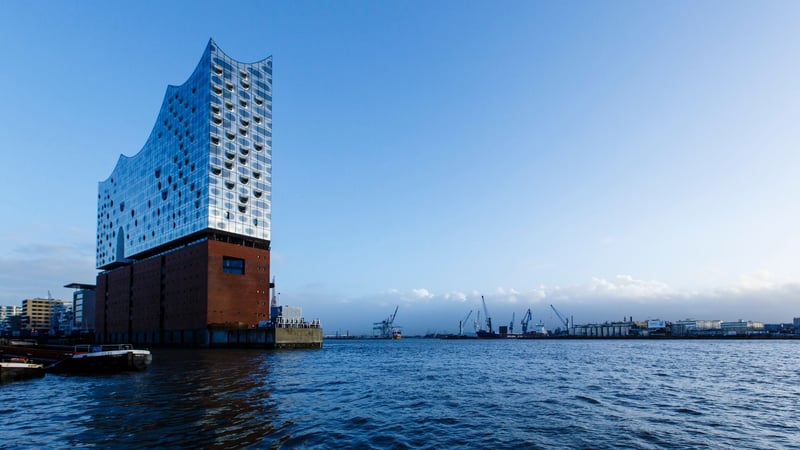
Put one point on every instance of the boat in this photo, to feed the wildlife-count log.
(397, 334)
(103, 359)
(483, 334)
(81, 358)
(19, 369)
(455, 336)
(31, 351)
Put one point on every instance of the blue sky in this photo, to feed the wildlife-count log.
(611, 158)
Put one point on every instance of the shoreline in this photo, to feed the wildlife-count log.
(579, 338)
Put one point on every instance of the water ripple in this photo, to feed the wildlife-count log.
(425, 394)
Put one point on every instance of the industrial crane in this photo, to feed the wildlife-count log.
(525, 320)
(385, 328)
(563, 320)
(462, 322)
(488, 318)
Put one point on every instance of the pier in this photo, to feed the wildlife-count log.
(289, 337)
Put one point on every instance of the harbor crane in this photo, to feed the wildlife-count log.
(526, 320)
(462, 322)
(563, 320)
(385, 328)
(477, 322)
(488, 318)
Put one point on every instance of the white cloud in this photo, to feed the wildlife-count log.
(457, 296)
(540, 292)
(506, 295)
(759, 280)
(503, 291)
(422, 293)
(760, 284)
(624, 287)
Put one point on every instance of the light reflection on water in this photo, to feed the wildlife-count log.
(425, 394)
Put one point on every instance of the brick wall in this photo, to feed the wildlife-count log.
(183, 290)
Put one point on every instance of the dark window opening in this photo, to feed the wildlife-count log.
(233, 265)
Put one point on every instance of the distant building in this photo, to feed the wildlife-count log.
(10, 318)
(613, 329)
(83, 306)
(184, 226)
(37, 313)
(741, 327)
(61, 321)
(692, 327)
(779, 328)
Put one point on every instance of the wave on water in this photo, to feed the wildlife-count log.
(421, 393)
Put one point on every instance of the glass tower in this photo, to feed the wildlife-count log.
(205, 168)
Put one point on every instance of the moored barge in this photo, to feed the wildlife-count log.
(103, 359)
(82, 358)
(19, 369)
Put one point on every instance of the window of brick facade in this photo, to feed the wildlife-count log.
(233, 265)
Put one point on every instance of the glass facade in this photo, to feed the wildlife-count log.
(83, 306)
(9, 315)
(207, 164)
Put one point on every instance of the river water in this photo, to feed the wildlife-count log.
(425, 393)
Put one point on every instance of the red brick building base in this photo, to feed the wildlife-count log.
(177, 297)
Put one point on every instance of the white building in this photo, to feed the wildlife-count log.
(742, 327)
(692, 326)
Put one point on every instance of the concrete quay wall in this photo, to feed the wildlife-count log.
(265, 338)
